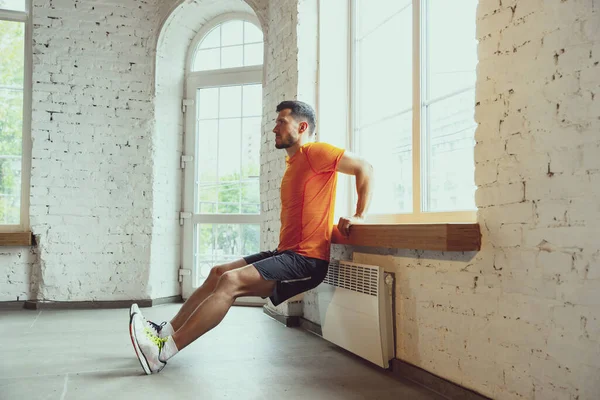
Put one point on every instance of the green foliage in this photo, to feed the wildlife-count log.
(225, 241)
(230, 239)
(11, 118)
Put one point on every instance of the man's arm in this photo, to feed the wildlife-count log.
(351, 164)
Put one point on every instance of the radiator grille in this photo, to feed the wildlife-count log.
(357, 278)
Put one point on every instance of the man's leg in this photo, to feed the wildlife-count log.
(295, 274)
(201, 293)
(153, 352)
(245, 281)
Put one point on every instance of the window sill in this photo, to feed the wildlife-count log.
(437, 237)
(12, 239)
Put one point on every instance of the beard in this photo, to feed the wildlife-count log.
(284, 144)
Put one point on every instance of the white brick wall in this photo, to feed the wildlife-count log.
(105, 180)
(92, 141)
(17, 269)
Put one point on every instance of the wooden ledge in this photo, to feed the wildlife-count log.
(16, 239)
(437, 237)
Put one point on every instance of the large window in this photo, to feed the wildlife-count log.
(223, 131)
(412, 101)
(14, 114)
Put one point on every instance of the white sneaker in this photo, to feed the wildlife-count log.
(156, 328)
(147, 345)
(134, 309)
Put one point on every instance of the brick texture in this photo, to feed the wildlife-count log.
(106, 130)
(92, 144)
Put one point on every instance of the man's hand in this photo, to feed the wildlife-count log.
(351, 164)
(346, 222)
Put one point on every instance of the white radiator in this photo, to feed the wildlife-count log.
(355, 305)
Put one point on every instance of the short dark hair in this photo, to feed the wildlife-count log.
(300, 111)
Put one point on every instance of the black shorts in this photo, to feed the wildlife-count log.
(294, 273)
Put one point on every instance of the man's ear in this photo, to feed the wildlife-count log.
(303, 127)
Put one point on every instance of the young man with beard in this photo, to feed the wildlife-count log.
(300, 261)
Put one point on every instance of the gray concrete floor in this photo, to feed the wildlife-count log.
(72, 355)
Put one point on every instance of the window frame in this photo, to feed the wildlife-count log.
(192, 81)
(26, 145)
(419, 137)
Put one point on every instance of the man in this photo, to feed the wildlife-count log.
(301, 259)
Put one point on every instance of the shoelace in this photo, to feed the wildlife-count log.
(156, 326)
(160, 342)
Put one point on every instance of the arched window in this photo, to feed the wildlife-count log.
(223, 112)
(231, 44)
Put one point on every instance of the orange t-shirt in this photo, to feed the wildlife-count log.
(308, 200)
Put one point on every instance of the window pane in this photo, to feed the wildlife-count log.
(449, 156)
(207, 150)
(388, 147)
(204, 251)
(14, 5)
(207, 59)
(370, 17)
(232, 57)
(223, 243)
(208, 207)
(250, 196)
(253, 54)
(230, 148)
(232, 33)
(10, 190)
(250, 239)
(230, 102)
(207, 194)
(229, 196)
(212, 39)
(12, 61)
(250, 208)
(384, 74)
(252, 100)
(206, 154)
(230, 45)
(252, 33)
(452, 47)
(11, 119)
(208, 103)
(251, 130)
